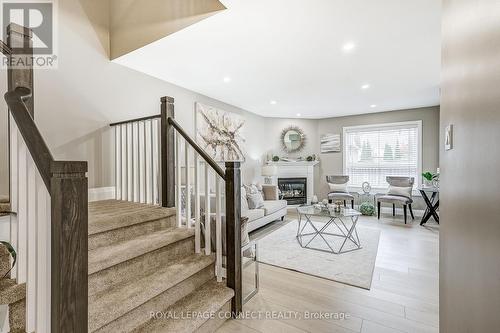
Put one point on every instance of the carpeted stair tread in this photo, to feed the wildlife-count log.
(120, 216)
(109, 206)
(5, 208)
(10, 292)
(107, 256)
(111, 304)
(208, 299)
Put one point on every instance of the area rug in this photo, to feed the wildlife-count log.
(281, 248)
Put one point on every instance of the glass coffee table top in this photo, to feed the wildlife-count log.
(313, 211)
(335, 232)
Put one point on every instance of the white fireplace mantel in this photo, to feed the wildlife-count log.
(302, 169)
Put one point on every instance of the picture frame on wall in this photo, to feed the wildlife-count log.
(330, 143)
(448, 137)
(220, 133)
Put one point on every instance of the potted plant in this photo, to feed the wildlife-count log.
(12, 253)
(276, 158)
(429, 177)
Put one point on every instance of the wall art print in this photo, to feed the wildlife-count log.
(220, 133)
(330, 143)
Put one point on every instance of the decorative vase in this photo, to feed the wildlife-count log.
(314, 199)
(337, 208)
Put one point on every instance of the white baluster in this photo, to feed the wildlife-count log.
(22, 213)
(144, 177)
(124, 161)
(118, 162)
(150, 162)
(156, 160)
(43, 257)
(218, 229)
(130, 162)
(208, 248)
(188, 186)
(14, 193)
(197, 235)
(178, 181)
(135, 161)
(31, 242)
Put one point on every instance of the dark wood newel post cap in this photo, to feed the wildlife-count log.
(19, 29)
(167, 99)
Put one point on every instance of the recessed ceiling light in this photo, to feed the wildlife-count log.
(365, 86)
(298, 115)
(373, 105)
(273, 102)
(227, 79)
(347, 47)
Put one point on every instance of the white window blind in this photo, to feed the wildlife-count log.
(371, 153)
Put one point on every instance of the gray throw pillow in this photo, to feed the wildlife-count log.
(255, 200)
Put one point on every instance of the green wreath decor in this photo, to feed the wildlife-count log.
(367, 209)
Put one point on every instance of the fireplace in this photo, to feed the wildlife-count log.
(294, 190)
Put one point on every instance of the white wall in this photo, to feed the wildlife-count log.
(75, 103)
(332, 163)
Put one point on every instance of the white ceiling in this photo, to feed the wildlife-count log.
(291, 52)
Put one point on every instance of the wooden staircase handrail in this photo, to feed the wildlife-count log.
(198, 149)
(67, 188)
(30, 133)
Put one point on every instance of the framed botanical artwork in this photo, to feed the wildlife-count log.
(330, 143)
(220, 133)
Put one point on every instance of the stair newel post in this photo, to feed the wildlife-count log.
(233, 234)
(167, 153)
(19, 40)
(69, 247)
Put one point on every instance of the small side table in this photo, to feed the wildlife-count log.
(366, 197)
(432, 203)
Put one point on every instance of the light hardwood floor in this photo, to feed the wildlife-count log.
(403, 296)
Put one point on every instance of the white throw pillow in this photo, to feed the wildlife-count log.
(338, 187)
(402, 191)
(251, 189)
(255, 200)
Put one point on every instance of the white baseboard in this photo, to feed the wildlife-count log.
(101, 193)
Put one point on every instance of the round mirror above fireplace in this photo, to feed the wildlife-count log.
(293, 139)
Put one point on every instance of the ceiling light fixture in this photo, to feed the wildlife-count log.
(348, 47)
(227, 79)
(298, 115)
(273, 102)
(373, 106)
(365, 86)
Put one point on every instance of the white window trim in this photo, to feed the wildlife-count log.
(345, 129)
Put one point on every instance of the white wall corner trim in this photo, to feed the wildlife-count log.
(101, 193)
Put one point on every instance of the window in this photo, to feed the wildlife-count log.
(371, 153)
